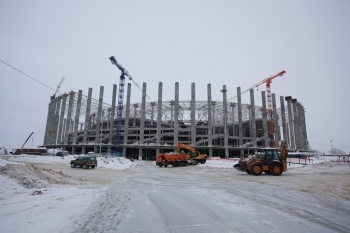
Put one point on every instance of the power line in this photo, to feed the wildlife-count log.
(27, 75)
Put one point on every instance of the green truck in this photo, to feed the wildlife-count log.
(84, 162)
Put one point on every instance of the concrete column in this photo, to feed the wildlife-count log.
(176, 117)
(240, 125)
(250, 123)
(56, 120)
(126, 119)
(47, 131)
(152, 111)
(135, 107)
(296, 124)
(233, 105)
(87, 120)
(172, 103)
(290, 121)
(159, 116)
(102, 123)
(81, 126)
(108, 125)
(304, 131)
(213, 103)
(47, 128)
(142, 123)
(69, 117)
(275, 121)
(93, 121)
(193, 114)
(252, 109)
(301, 127)
(98, 119)
(210, 132)
(60, 127)
(264, 119)
(111, 123)
(51, 122)
(76, 120)
(224, 101)
(64, 129)
(284, 123)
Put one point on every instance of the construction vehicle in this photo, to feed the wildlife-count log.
(267, 160)
(174, 159)
(19, 151)
(186, 155)
(194, 155)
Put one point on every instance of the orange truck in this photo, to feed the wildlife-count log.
(174, 159)
(186, 156)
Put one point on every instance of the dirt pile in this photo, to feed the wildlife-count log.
(31, 176)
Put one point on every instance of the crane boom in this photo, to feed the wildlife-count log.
(259, 83)
(126, 73)
(58, 88)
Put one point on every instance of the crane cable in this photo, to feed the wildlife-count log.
(27, 75)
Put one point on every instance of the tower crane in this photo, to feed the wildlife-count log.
(268, 82)
(58, 88)
(120, 98)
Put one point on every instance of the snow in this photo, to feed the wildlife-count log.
(65, 197)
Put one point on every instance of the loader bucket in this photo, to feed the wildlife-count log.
(236, 166)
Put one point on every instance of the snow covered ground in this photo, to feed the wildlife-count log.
(65, 196)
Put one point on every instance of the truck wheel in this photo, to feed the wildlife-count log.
(84, 166)
(175, 164)
(256, 169)
(276, 169)
(160, 164)
(72, 165)
(92, 166)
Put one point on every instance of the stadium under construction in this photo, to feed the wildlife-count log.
(81, 124)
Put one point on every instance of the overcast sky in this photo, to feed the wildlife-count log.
(222, 42)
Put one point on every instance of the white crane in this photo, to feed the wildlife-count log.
(58, 88)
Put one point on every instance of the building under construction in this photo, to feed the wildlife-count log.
(81, 124)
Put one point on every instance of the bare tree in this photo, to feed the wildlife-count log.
(336, 151)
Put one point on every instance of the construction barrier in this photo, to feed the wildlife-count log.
(223, 159)
(304, 161)
(343, 158)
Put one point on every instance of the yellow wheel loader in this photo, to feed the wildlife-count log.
(267, 160)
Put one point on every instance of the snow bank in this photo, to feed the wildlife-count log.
(112, 163)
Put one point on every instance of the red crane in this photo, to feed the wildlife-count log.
(268, 82)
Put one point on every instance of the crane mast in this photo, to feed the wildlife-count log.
(121, 98)
(120, 103)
